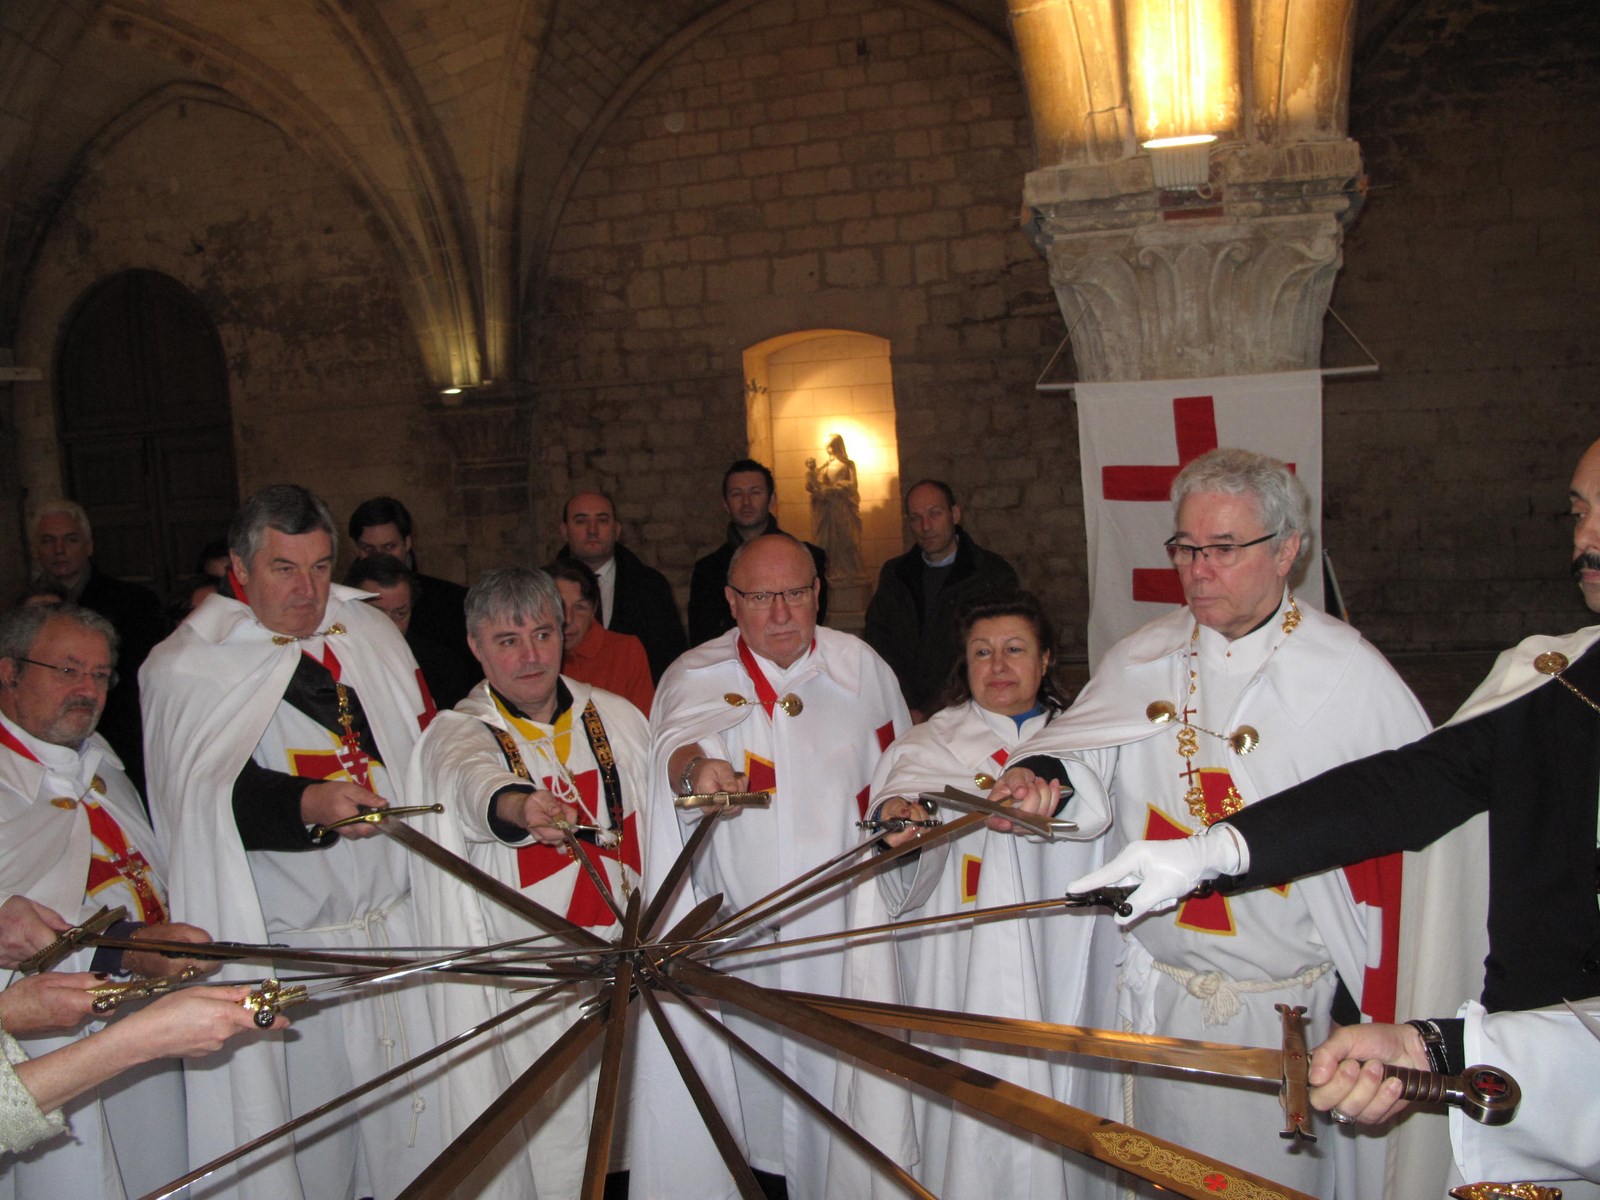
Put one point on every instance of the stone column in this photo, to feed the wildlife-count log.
(489, 439)
(1231, 278)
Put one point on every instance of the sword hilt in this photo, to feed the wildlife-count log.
(71, 939)
(1486, 1094)
(371, 816)
(271, 998)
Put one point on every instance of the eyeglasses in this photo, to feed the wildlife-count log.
(72, 676)
(1218, 554)
(793, 597)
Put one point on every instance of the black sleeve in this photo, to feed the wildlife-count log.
(504, 830)
(1398, 800)
(266, 810)
(1454, 1032)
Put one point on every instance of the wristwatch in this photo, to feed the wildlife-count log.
(1433, 1043)
(686, 780)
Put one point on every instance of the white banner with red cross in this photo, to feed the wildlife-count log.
(1134, 438)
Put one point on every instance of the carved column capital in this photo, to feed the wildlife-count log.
(1233, 280)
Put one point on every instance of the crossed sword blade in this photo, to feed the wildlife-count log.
(643, 967)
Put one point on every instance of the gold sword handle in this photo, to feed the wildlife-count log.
(71, 939)
(110, 996)
(371, 816)
(270, 999)
(1296, 1093)
(1486, 1094)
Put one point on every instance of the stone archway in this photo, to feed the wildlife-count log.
(801, 389)
(146, 427)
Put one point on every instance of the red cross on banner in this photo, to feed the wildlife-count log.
(1194, 423)
(760, 772)
(538, 862)
(1134, 439)
(1375, 884)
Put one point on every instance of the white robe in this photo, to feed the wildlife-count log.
(127, 1135)
(460, 764)
(1029, 967)
(1317, 697)
(823, 759)
(210, 693)
(1555, 1136)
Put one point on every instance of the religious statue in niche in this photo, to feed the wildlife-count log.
(836, 510)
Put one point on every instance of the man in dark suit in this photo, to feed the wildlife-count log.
(635, 598)
(382, 525)
(747, 494)
(63, 554)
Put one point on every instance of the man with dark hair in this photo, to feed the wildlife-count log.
(635, 598)
(63, 554)
(282, 705)
(382, 525)
(395, 592)
(748, 495)
(911, 619)
(74, 837)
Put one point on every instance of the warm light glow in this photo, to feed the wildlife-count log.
(1172, 143)
(1183, 67)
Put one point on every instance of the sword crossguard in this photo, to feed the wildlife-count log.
(1487, 1095)
(271, 998)
(724, 800)
(71, 939)
(371, 816)
(1295, 1082)
(1114, 898)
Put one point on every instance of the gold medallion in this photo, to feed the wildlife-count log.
(98, 785)
(1243, 740)
(1159, 712)
(984, 780)
(66, 802)
(734, 699)
(1552, 662)
(792, 705)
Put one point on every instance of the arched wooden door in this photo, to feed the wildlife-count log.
(145, 425)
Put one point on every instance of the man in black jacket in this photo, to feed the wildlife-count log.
(382, 525)
(635, 598)
(63, 549)
(911, 620)
(747, 494)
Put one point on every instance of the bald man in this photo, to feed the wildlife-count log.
(635, 598)
(781, 705)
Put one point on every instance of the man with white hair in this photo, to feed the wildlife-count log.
(528, 750)
(1522, 754)
(283, 704)
(1228, 699)
(73, 838)
(63, 555)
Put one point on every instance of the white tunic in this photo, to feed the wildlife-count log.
(212, 699)
(460, 763)
(1028, 967)
(818, 764)
(126, 1136)
(1215, 969)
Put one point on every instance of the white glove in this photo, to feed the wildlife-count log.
(1169, 870)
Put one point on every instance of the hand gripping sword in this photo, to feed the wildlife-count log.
(1485, 1094)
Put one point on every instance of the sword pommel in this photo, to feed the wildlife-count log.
(1486, 1094)
(271, 998)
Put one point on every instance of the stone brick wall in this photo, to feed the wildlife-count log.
(1472, 276)
(325, 382)
(808, 164)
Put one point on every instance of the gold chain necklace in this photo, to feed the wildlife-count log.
(1241, 741)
